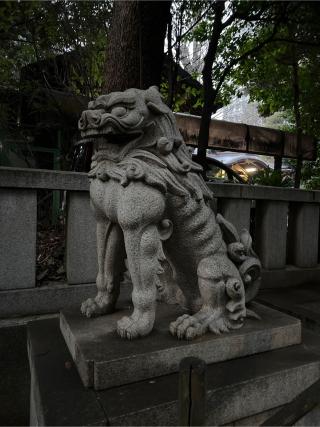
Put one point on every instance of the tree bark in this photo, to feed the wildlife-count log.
(209, 93)
(277, 163)
(134, 55)
(297, 115)
(170, 65)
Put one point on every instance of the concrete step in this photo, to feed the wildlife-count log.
(57, 396)
(236, 389)
(14, 377)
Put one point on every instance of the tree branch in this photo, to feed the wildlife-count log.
(244, 17)
(11, 39)
(300, 42)
(192, 27)
(244, 56)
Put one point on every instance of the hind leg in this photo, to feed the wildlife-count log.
(223, 298)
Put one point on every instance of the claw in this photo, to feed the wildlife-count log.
(175, 325)
(97, 306)
(131, 328)
(252, 314)
(191, 333)
(89, 307)
(187, 327)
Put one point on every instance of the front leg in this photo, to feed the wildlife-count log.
(111, 254)
(144, 253)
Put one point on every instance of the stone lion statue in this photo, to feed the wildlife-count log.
(152, 207)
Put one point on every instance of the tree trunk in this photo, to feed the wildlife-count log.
(134, 55)
(277, 163)
(209, 92)
(170, 65)
(297, 115)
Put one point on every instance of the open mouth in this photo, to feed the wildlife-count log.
(110, 137)
(120, 139)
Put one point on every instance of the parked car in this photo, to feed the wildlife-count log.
(218, 171)
(233, 167)
(244, 165)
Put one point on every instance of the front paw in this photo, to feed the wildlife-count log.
(187, 327)
(130, 328)
(90, 308)
(97, 306)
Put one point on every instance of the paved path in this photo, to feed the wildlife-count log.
(14, 377)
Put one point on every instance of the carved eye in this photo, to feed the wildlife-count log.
(119, 111)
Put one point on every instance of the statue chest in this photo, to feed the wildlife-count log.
(130, 206)
(106, 197)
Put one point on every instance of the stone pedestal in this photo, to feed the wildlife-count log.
(105, 360)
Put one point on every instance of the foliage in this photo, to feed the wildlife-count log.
(245, 26)
(311, 173)
(32, 31)
(284, 78)
(269, 75)
(187, 96)
(272, 178)
(251, 50)
(45, 45)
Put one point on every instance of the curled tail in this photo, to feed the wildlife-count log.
(243, 256)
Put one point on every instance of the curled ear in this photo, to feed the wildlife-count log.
(154, 88)
(165, 229)
(154, 101)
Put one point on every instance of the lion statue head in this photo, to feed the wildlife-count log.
(136, 138)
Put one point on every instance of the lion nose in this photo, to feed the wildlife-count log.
(82, 124)
(90, 119)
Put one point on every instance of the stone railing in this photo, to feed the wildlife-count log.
(284, 223)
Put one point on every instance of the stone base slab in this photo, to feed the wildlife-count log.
(43, 299)
(243, 391)
(105, 360)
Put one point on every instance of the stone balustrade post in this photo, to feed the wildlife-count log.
(237, 211)
(303, 234)
(18, 233)
(271, 233)
(81, 253)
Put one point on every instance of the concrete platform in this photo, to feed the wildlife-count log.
(105, 360)
(239, 392)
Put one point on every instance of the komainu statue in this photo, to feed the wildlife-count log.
(152, 207)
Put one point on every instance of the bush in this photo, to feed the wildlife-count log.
(272, 178)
